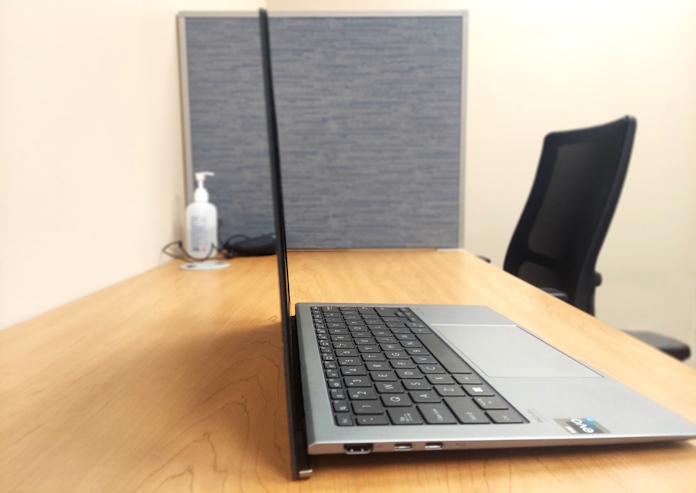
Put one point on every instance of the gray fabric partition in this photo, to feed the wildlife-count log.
(370, 125)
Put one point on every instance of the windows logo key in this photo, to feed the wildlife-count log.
(576, 426)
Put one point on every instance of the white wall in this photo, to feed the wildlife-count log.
(538, 66)
(91, 166)
(91, 154)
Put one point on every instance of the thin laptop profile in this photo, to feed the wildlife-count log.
(396, 378)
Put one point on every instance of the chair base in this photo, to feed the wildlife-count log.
(666, 344)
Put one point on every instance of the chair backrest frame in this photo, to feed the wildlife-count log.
(575, 273)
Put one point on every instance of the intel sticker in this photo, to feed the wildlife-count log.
(578, 426)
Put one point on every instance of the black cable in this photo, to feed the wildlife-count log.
(227, 248)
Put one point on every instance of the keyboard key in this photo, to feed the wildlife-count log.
(389, 387)
(405, 337)
(372, 357)
(408, 344)
(386, 312)
(412, 324)
(466, 411)
(341, 338)
(398, 328)
(349, 362)
(407, 373)
(416, 385)
(331, 373)
(383, 376)
(378, 365)
(449, 390)
(440, 379)
(358, 329)
(404, 416)
(505, 417)
(372, 420)
(402, 363)
(431, 368)
(337, 394)
(437, 414)
(340, 406)
(396, 355)
(427, 360)
(386, 340)
(344, 419)
(491, 403)
(330, 365)
(366, 309)
(368, 348)
(396, 400)
(343, 345)
(327, 357)
(358, 381)
(363, 340)
(362, 394)
(417, 351)
(353, 371)
(419, 330)
(472, 378)
(346, 352)
(334, 383)
(444, 354)
(479, 390)
(425, 396)
(370, 407)
(390, 347)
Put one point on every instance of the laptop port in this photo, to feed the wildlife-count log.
(403, 446)
(433, 446)
(358, 448)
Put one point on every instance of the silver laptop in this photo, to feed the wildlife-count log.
(370, 378)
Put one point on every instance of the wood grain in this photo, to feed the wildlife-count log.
(173, 381)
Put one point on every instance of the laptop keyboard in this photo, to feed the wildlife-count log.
(384, 366)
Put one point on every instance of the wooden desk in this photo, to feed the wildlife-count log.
(173, 381)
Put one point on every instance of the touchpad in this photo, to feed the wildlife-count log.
(509, 351)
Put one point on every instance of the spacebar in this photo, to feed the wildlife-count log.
(442, 352)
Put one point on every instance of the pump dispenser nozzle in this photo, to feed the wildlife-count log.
(201, 194)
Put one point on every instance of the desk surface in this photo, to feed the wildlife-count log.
(173, 381)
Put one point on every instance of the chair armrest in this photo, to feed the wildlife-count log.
(666, 344)
(555, 292)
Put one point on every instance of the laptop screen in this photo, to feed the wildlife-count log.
(300, 463)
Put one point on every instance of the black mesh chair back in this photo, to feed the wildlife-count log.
(569, 209)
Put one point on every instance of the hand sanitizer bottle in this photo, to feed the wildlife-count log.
(201, 222)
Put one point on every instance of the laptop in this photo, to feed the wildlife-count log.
(366, 378)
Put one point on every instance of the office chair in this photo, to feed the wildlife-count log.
(563, 225)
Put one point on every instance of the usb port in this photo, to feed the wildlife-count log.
(358, 448)
(433, 446)
(403, 446)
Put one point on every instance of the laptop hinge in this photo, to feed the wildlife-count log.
(299, 458)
